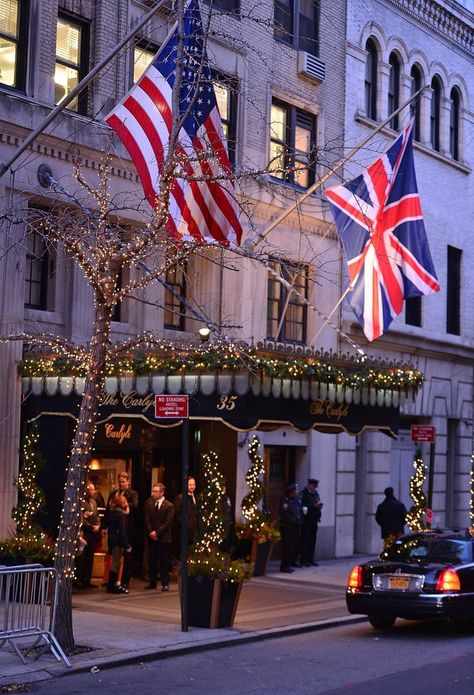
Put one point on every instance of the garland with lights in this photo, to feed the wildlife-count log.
(31, 495)
(254, 517)
(205, 559)
(29, 542)
(414, 517)
(162, 357)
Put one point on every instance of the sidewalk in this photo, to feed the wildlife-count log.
(147, 624)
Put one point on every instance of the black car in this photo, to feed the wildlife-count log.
(420, 576)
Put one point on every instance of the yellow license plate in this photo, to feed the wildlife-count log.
(400, 583)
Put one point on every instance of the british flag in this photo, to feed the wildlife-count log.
(379, 218)
(203, 204)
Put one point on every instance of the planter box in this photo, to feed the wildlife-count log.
(212, 602)
(258, 553)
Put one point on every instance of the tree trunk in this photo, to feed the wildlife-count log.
(77, 471)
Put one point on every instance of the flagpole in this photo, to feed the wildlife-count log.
(314, 187)
(321, 328)
(79, 87)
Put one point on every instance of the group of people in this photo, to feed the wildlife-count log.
(162, 521)
(299, 515)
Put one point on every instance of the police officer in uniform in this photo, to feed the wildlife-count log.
(312, 505)
(291, 519)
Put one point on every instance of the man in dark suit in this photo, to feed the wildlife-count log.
(159, 515)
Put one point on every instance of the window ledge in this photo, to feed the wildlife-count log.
(460, 166)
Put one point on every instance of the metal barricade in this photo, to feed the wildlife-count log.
(28, 599)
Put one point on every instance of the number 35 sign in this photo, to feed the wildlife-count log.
(227, 402)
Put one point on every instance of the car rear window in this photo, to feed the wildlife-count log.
(430, 550)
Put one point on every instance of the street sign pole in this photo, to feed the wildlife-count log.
(184, 523)
(430, 483)
(427, 433)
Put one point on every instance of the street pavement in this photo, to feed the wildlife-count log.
(144, 625)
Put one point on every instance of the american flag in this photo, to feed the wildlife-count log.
(379, 218)
(204, 210)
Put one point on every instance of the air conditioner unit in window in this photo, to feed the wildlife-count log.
(310, 66)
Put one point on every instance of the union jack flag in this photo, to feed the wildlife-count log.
(379, 218)
(204, 210)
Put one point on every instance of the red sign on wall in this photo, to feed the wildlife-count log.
(170, 406)
(423, 433)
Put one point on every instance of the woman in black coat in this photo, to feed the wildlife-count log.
(117, 541)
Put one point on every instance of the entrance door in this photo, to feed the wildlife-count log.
(401, 467)
(279, 470)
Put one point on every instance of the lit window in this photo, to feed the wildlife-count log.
(71, 60)
(292, 144)
(13, 42)
(142, 57)
(226, 97)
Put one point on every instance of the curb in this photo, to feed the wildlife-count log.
(127, 658)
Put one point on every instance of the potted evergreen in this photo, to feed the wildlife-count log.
(214, 578)
(29, 544)
(256, 536)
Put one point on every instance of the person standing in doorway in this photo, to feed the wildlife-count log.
(291, 518)
(118, 542)
(159, 515)
(312, 505)
(390, 516)
(131, 496)
(193, 514)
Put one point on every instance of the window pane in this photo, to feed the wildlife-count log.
(9, 17)
(284, 19)
(277, 159)
(222, 98)
(301, 175)
(307, 26)
(8, 52)
(141, 60)
(302, 139)
(65, 79)
(68, 42)
(278, 123)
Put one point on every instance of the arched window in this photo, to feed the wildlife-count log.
(435, 127)
(416, 105)
(454, 123)
(393, 89)
(371, 80)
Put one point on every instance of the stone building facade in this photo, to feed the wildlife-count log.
(294, 80)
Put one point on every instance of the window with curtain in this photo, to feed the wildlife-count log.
(394, 89)
(174, 310)
(454, 117)
(435, 115)
(13, 42)
(292, 144)
(226, 89)
(286, 310)
(71, 61)
(416, 83)
(371, 80)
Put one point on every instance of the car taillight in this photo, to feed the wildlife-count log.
(448, 580)
(355, 578)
